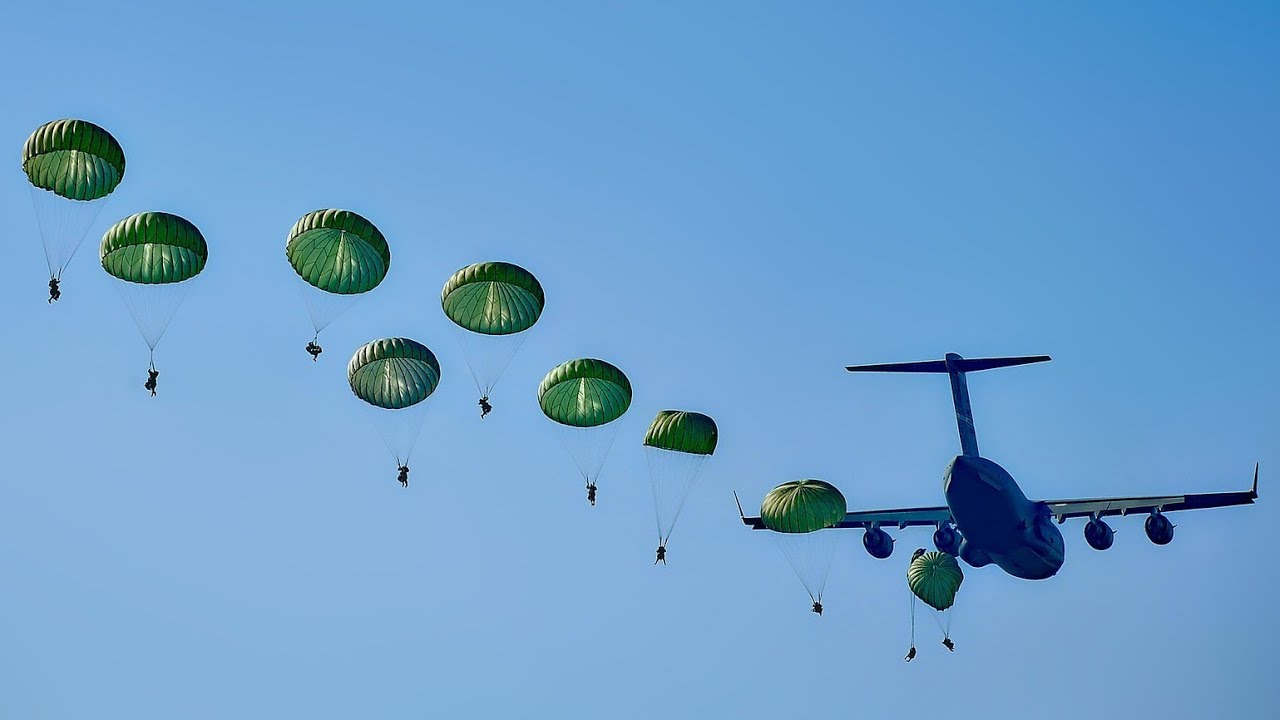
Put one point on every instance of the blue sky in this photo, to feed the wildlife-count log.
(729, 201)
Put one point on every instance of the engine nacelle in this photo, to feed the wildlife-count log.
(947, 539)
(1159, 529)
(1098, 534)
(878, 543)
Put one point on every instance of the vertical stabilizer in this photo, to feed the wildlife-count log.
(964, 411)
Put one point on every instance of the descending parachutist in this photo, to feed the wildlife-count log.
(150, 384)
(591, 493)
(315, 350)
(662, 555)
(404, 476)
(485, 407)
(817, 607)
(54, 291)
(911, 654)
(950, 645)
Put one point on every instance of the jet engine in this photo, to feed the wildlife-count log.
(1159, 529)
(878, 543)
(947, 539)
(1099, 535)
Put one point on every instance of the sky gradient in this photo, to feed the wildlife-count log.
(729, 201)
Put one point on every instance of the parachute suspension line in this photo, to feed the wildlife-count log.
(913, 620)
(810, 557)
(63, 225)
(672, 477)
(399, 429)
(589, 447)
(488, 356)
(153, 306)
(937, 620)
(324, 307)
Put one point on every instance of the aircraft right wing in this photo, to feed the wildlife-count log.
(1102, 507)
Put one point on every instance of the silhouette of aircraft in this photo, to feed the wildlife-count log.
(988, 519)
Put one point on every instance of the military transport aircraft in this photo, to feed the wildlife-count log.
(987, 518)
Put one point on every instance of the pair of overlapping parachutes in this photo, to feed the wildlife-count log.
(73, 166)
(803, 515)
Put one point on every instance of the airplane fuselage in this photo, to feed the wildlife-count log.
(999, 524)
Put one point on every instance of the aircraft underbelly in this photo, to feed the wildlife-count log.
(997, 520)
(985, 503)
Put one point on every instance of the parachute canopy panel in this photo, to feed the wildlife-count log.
(393, 373)
(153, 248)
(338, 251)
(584, 393)
(493, 298)
(681, 431)
(74, 159)
(935, 577)
(802, 506)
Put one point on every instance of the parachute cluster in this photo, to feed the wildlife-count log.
(339, 256)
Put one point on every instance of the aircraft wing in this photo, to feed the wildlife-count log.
(900, 518)
(1063, 509)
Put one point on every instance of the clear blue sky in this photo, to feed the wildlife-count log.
(730, 201)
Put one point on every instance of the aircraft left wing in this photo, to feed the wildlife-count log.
(1101, 507)
(900, 518)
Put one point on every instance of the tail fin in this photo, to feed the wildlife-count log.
(955, 367)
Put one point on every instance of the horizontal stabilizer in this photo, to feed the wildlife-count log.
(928, 366)
(940, 366)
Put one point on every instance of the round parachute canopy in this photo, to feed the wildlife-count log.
(680, 431)
(493, 298)
(338, 252)
(74, 159)
(584, 393)
(802, 506)
(153, 248)
(393, 373)
(935, 577)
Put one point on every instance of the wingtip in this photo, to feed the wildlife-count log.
(739, 502)
(1255, 480)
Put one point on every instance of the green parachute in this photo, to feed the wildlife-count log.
(72, 166)
(584, 393)
(73, 159)
(677, 446)
(582, 397)
(340, 256)
(393, 373)
(934, 577)
(801, 514)
(153, 255)
(493, 304)
(393, 376)
(153, 248)
(802, 506)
